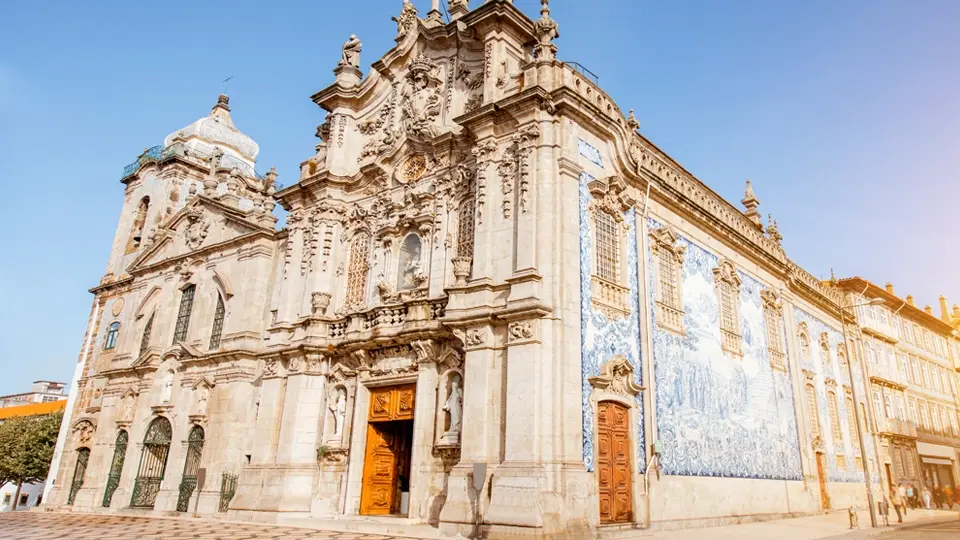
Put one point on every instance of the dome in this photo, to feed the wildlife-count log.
(217, 131)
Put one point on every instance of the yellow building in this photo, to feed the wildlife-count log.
(912, 357)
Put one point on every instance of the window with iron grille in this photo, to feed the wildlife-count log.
(357, 271)
(608, 247)
(465, 229)
(110, 340)
(812, 410)
(145, 340)
(834, 419)
(183, 316)
(217, 323)
(852, 421)
(668, 279)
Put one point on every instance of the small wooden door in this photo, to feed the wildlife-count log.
(822, 475)
(613, 463)
(379, 493)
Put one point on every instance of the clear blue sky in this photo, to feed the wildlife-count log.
(844, 114)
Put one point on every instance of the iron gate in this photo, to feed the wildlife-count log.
(228, 486)
(190, 467)
(83, 456)
(116, 467)
(153, 463)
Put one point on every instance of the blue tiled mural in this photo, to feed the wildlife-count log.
(831, 368)
(720, 415)
(601, 338)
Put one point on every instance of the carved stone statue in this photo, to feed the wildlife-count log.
(546, 30)
(454, 407)
(201, 406)
(339, 412)
(406, 20)
(166, 392)
(127, 413)
(351, 52)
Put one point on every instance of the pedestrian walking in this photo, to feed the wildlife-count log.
(905, 497)
(926, 497)
(885, 510)
(897, 503)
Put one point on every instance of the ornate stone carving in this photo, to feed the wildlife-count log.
(83, 431)
(518, 331)
(546, 30)
(406, 21)
(271, 368)
(610, 196)
(319, 302)
(471, 337)
(351, 52)
(771, 301)
(196, 230)
(294, 365)
(616, 377)
(507, 170)
(526, 140)
(483, 153)
(421, 101)
(412, 169)
(461, 270)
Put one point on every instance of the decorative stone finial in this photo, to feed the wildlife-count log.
(547, 30)
(632, 121)
(773, 231)
(223, 102)
(458, 8)
(751, 203)
(406, 21)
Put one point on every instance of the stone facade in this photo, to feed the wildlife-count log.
(484, 262)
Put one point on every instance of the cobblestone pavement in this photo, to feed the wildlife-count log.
(49, 525)
(936, 531)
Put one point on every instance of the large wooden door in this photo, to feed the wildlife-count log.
(613, 463)
(822, 475)
(379, 493)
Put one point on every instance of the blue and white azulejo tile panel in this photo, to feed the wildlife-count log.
(720, 415)
(590, 152)
(831, 368)
(602, 338)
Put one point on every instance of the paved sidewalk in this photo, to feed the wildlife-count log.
(829, 526)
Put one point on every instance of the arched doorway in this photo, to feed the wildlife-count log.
(116, 467)
(153, 463)
(613, 463)
(79, 471)
(190, 467)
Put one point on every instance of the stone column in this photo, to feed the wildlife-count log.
(481, 436)
(426, 474)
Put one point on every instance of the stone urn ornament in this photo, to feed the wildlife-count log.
(320, 301)
(461, 270)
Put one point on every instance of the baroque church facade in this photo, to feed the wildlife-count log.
(484, 262)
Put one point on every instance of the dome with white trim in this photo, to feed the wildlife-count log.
(217, 131)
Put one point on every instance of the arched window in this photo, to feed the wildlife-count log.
(814, 415)
(804, 339)
(145, 340)
(217, 323)
(110, 340)
(668, 257)
(139, 220)
(727, 283)
(183, 316)
(834, 420)
(465, 224)
(852, 421)
(608, 247)
(410, 271)
(357, 270)
(773, 321)
(825, 348)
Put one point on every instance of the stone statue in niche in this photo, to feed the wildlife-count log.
(339, 412)
(454, 407)
(200, 407)
(410, 272)
(166, 392)
(127, 413)
(351, 52)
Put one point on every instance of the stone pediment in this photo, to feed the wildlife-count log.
(201, 224)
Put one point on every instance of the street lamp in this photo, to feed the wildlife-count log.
(856, 401)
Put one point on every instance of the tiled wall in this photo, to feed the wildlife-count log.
(717, 414)
(602, 338)
(815, 363)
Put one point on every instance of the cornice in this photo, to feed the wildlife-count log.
(202, 252)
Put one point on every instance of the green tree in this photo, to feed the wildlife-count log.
(26, 448)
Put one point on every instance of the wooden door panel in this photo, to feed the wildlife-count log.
(404, 399)
(613, 463)
(379, 473)
(394, 403)
(380, 401)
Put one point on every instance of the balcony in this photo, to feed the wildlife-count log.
(885, 375)
(894, 427)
